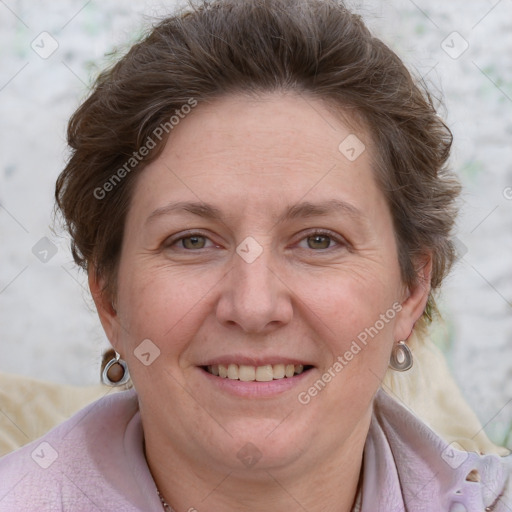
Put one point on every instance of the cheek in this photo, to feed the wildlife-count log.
(349, 302)
(354, 315)
(162, 307)
(347, 316)
(354, 319)
(161, 304)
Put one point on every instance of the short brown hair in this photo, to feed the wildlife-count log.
(216, 48)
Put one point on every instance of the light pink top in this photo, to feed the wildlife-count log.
(95, 462)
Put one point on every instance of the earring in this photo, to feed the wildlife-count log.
(115, 372)
(401, 357)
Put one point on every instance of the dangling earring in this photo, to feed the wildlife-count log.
(401, 357)
(115, 372)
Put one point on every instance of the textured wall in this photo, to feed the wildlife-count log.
(48, 327)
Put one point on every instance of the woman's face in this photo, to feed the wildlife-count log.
(259, 241)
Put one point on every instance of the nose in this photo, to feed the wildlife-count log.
(255, 296)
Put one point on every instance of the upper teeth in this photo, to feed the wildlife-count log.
(259, 373)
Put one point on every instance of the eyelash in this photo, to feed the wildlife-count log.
(342, 243)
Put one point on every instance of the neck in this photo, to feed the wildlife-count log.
(318, 483)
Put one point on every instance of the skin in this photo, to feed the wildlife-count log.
(302, 298)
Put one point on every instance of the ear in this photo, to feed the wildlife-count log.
(415, 300)
(106, 311)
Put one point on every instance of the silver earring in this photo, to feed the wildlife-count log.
(401, 357)
(115, 372)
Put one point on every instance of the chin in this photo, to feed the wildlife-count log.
(264, 444)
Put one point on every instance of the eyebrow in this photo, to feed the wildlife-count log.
(301, 210)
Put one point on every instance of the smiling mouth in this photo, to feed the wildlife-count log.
(264, 373)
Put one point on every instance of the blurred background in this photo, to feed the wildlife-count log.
(51, 52)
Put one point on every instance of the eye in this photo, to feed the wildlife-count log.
(190, 242)
(193, 242)
(322, 240)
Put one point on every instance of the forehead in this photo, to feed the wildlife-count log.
(291, 125)
(260, 153)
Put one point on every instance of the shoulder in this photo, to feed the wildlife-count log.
(435, 474)
(90, 459)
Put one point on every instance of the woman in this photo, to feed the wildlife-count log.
(259, 194)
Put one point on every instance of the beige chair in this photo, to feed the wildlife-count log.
(429, 390)
(29, 408)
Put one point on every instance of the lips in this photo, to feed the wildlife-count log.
(249, 373)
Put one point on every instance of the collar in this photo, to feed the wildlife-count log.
(408, 467)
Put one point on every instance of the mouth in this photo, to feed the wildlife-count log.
(264, 373)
